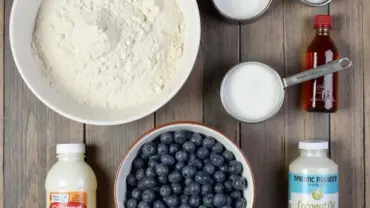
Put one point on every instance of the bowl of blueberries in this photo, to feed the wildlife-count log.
(184, 165)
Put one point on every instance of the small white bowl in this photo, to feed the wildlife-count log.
(126, 162)
(22, 24)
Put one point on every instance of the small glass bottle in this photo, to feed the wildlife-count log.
(71, 182)
(313, 177)
(321, 94)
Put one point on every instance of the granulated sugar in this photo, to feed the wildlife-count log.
(114, 53)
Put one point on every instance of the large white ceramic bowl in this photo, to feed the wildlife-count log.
(126, 162)
(22, 23)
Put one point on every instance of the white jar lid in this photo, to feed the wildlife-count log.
(313, 145)
(70, 148)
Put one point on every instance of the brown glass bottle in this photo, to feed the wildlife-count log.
(321, 94)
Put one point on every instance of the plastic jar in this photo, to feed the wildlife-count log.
(313, 177)
(71, 182)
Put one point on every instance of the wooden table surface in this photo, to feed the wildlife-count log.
(30, 130)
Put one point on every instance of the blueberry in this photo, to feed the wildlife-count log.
(209, 168)
(163, 179)
(144, 204)
(219, 188)
(172, 201)
(176, 188)
(168, 159)
(189, 171)
(162, 170)
(202, 206)
(202, 153)
(148, 195)
(197, 163)
(202, 177)
(188, 181)
(228, 155)
(228, 185)
(227, 206)
(232, 177)
(194, 188)
(229, 200)
(235, 167)
(180, 165)
(181, 155)
(141, 185)
(175, 176)
(165, 190)
(180, 137)
(224, 168)
(166, 138)
(187, 191)
(159, 204)
(208, 200)
(140, 174)
(196, 139)
(239, 183)
(149, 149)
(217, 160)
(240, 203)
(236, 194)
(206, 188)
(155, 158)
(218, 148)
(174, 148)
(138, 163)
(185, 206)
(162, 149)
(184, 199)
(131, 203)
(131, 180)
(152, 163)
(219, 176)
(150, 172)
(209, 142)
(192, 156)
(189, 147)
(195, 201)
(149, 182)
(136, 194)
(219, 200)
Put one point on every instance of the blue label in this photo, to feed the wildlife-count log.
(307, 184)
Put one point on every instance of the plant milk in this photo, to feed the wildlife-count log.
(241, 9)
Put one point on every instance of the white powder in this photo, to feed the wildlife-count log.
(241, 9)
(252, 92)
(109, 53)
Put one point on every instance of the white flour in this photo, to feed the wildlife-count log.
(109, 53)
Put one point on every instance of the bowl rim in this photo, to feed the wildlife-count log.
(65, 113)
(133, 144)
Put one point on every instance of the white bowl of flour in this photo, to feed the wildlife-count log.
(105, 62)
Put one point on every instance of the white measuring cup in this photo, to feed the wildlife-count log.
(253, 92)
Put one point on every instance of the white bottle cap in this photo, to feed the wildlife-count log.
(314, 145)
(70, 148)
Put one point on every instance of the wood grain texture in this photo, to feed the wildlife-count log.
(106, 147)
(299, 32)
(366, 64)
(220, 51)
(30, 134)
(347, 124)
(264, 143)
(2, 28)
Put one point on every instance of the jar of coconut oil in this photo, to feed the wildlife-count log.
(313, 177)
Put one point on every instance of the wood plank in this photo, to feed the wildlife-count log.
(2, 5)
(220, 52)
(106, 147)
(299, 33)
(264, 143)
(31, 132)
(347, 126)
(366, 63)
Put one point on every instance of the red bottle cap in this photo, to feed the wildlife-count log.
(323, 21)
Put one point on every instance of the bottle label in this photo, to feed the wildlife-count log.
(313, 191)
(67, 200)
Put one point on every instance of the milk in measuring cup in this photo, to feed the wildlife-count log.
(71, 182)
(313, 177)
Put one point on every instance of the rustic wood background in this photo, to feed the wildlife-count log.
(30, 130)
